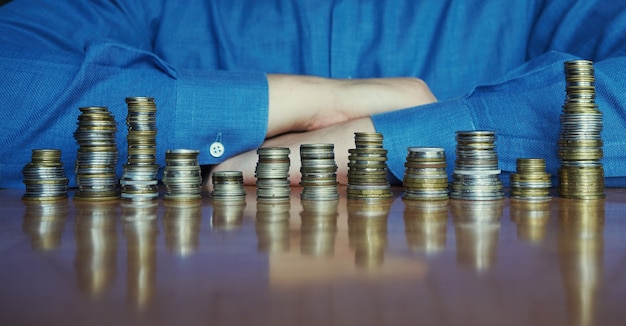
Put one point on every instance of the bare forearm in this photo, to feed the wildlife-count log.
(304, 103)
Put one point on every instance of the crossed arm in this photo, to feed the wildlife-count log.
(306, 109)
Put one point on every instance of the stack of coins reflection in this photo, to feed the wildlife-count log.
(582, 257)
(44, 222)
(96, 159)
(476, 175)
(367, 168)
(425, 175)
(581, 175)
(182, 176)
(272, 226)
(477, 228)
(228, 186)
(141, 231)
(139, 181)
(318, 229)
(319, 172)
(97, 243)
(531, 218)
(272, 174)
(531, 182)
(181, 223)
(227, 215)
(425, 225)
(367, 232)
(44, 176)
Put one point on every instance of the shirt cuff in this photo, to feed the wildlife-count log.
(432, 125)
(230, 107)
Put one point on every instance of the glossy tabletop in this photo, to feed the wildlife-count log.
(301, 263)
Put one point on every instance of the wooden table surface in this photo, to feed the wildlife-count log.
(341, 263)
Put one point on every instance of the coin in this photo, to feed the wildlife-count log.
(476, 175)
(581, 175)
(44, 177)
(139, 178)
(272, 174)
(367, 168)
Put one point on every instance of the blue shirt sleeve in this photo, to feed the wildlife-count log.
(101, 56)
(523, 108)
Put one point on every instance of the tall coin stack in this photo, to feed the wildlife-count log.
(531, 182)
(581, 175)
(367, 168)
(425, 175)
(272, 174)
(228, 186)
(96, 159)
(319, 172)
(476, 175)
(182, 176)
(139, 180)
(44, 176)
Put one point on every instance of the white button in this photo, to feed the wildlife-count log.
(216, 149)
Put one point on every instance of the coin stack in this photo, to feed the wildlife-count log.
(319, 172)
(139, 180)
(44, 176)
(581, 175)
(182, 177)
(272, 174)
(228, 186)
(96, 159)
(367, 168)
(531, 182)
(476, 175)
(425, 175)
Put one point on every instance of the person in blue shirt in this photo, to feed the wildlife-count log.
(283, 73)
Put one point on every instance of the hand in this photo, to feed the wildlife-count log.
(342, 135)
(305, 103)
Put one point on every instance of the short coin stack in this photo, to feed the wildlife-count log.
(581, 175)
(367, 173)
(96, 160)
(319, 172)
(182, 176)
(425, 175)
(228, 186)
(476, 175)
(44, 176)
(272, 174)
(531, 182)
(139, 181)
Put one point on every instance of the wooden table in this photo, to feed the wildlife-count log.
(196, 263)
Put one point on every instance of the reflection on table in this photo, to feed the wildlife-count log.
(510, 262)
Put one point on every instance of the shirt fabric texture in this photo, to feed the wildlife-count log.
(494, 65)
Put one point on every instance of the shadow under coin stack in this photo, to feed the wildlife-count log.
(476, 175)
(425, 175)
(272, 174)
(228, 186)
(182, 176)
(319, 172)
(96, 159)
(531, 182)
(581, 175)
(367, 173)
(139, 181)
(44, 176)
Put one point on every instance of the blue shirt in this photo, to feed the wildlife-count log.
(494, 65)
